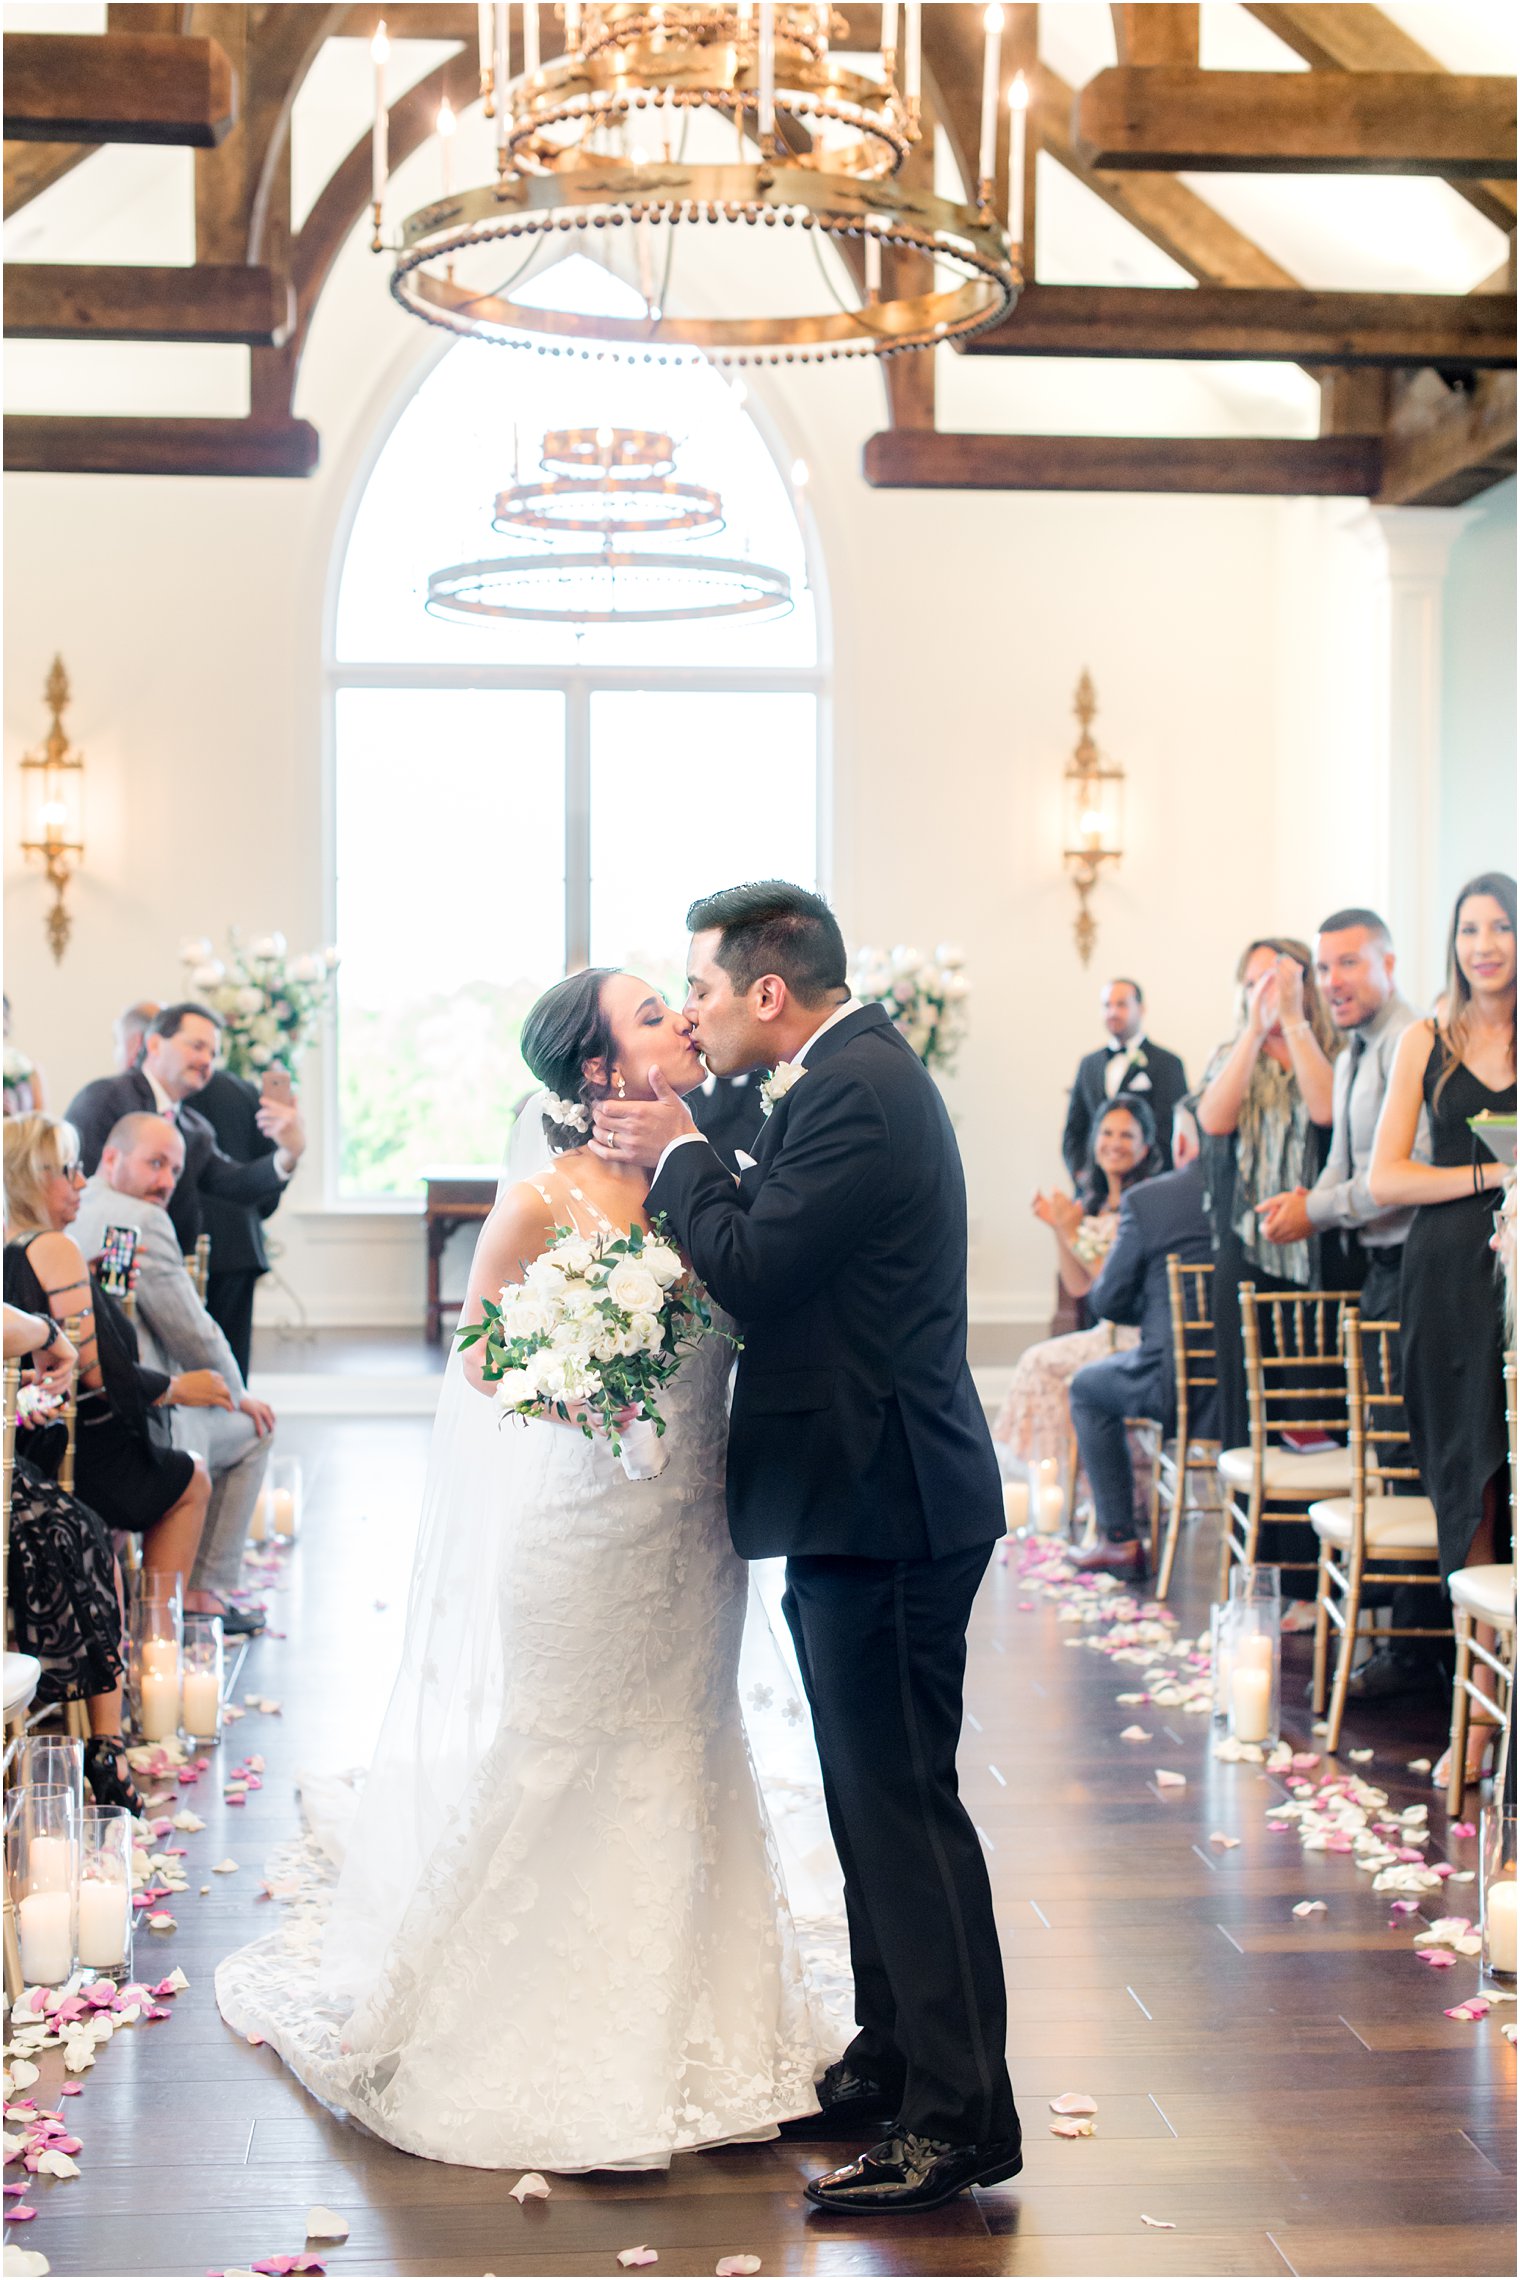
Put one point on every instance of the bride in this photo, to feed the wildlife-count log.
(558, 1939)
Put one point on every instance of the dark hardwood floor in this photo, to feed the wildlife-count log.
(1286, 2093)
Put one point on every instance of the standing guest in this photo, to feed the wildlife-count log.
(23, 1078)
(1128, 1063)
(129, 1029)
(730, 1112)
(239, 1257)
(139, 1166)
(1453, 1323)
(1035, 1422)
(1156, 1219)
(179, 1054)
(1265, 1112)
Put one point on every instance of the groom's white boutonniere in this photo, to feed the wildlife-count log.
(780, 1082)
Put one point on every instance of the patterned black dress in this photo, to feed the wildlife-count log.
(62, 1586)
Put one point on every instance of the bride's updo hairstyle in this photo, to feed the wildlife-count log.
(566, 1029)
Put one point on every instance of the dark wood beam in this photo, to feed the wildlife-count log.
(32, 167)
(1151, 31)
(1215, 321)
(1338, 38)
(1446, 445)
(131, 87)
(53, 300)
(47, 445)
(1277, 467)
(1275, 122)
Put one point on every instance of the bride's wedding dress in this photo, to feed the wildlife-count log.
(559, 1938)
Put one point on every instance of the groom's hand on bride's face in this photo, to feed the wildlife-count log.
(640, 1131)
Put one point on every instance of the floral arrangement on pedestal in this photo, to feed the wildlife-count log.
(925, 997)
(270, 1003)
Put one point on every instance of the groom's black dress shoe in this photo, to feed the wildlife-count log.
(906, 2172)
(851, 2105)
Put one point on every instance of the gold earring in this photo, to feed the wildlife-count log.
(622, 1089)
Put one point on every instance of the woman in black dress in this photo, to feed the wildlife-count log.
(1453, 1327)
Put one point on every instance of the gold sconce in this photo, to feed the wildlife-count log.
(52, 807)
(1094, 814)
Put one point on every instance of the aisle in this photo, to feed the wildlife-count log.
(1285, 2092)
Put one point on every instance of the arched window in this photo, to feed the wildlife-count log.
(513, 800)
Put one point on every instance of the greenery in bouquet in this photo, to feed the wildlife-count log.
(600, 1325)
(270, 1003)
(926, 997)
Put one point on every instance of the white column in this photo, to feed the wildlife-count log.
(1411, 548)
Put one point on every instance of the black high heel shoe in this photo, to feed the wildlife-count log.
(105, 1769)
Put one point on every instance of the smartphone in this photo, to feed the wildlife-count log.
(115, 1264)
(275, 1085)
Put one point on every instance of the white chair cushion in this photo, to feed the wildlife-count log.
(1394, 1523)
(1487, 1592)
(22, 1674)
(1290, 1473)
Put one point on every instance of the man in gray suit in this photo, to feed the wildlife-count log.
(142, 1158)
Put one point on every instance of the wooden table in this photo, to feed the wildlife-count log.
(456, 1196)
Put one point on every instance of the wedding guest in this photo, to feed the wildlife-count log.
(1129, 1063)
(63, 1590)
(1156, 1219)
(1456, 1067)
(239, 1257)
(179, 1054)
(129, 1029)
(1265, 1113)
(139, 1165)
(1035, 1422)
(23, 1078)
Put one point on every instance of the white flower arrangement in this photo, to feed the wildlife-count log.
(602, 1325)
(571, 1113)
(780, 1082)
(925, 997)
(270, 1003)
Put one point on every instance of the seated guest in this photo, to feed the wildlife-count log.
(139, 1165)
(125, 1466)
(62, 1586)
(1455, 1068)
(729, 1110)
(1156, 1219)
(231, 1106)
(1128, 1063)
(128, 1031)
(1036, 1421)
(179, 1054)
(23, 1078)
(1265, 1113)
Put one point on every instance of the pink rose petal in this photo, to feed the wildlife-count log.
(1073, 2102)
(630, 2256)
(72, 2090)
(1463, 1829)
(530, 2187)
(1406, 1907)
(1438, 1959)
(20, 2216)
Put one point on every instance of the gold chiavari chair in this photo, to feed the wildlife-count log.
(1485, 1595)
(198, 1266)
(1295, 1383)
(1384, 1531)
(1180, 1461)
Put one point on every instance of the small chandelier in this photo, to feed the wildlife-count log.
(590, 146)
(617, 485)
(1094, 814)
(52, 808)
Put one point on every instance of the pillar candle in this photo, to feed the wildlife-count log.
(992, 57)
(160, 1658)
(503, 72)
(49, 1864)
(1255, 1651)
(1250, 1704)
(1016, 1504)
(873, 265)
(380, 48)
(766, 96)
(47, 1937)
(1050, 1509)
(446, 126)
(486, 33)
(284, 1513)
(105, 1915)
(158, 1695)
(889, 31)
(1499, 1926)
(530, 35)
(202, 1702)
(913, 52)
(1018, 128)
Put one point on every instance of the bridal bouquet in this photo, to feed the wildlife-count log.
(604, 1324)
(926, 997)
(269, 1002)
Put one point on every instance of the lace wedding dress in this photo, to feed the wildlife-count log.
(559, 1938)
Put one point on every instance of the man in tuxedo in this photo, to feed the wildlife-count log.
(231, 1106)
(857, 1448)
(730, 1111)
(1128, 1063)
(1157, 1217)
(129, 1029)
(179, 1054)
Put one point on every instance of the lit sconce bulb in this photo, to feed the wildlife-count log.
(380, 46)
(799, 474)
(604, 439)
(447, 122)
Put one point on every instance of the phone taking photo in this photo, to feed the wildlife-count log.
(116, 1260)
(276, 1085)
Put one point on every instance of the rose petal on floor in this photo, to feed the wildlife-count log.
(1074, 2127)
(1165, 1780)
(737, 2267)
(1418, 1765)
(1074, 2102)
(1310, 1907)
(1158, 2224)
(1134, 1734)
(1360, 1757)
(1225, 1844)
(631, 2256)
(530, 2187)
(25, 2264)
(325, 2224)
(1463, 1829)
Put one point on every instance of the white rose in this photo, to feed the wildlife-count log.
(574, 1254)
(630, 1341)
(546, 1374)
(906, 960)
(577, 1302)
(954, 987)
(264, 947)
(250, 999)
(330, 956)
(927, 978)
(606, 1346)
(876, 983)
(308, 969)
(514, 1387)
(650, 1332)
(632, 1286)
(546, 1274)
(196, 950)
(663, 1263)
(260, 1056)
(209, 976)
(527, 1317)
(951, 954)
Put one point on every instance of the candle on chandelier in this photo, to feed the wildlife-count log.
(503, 70)
(447, 123)
(888, 40)
(1018, 128)
(572, 23)
(766, 104)
(380, 48)
(486, 35)
(873, 265)
(531, 57)
(913, 51)
(992, 57)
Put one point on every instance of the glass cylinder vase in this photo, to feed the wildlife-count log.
(201, 1690)
(49, 1761)
(282, 1499)
(1253, 1632)
(1497, 1845)
(155, 1646)
(105, 1892)
(42, 1835)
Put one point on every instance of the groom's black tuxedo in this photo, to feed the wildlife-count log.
(859, 1449)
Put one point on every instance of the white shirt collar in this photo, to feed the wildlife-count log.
(161, 1101)
(1116, 1046)
(840, 1013)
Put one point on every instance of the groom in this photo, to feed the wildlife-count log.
(857, 1448)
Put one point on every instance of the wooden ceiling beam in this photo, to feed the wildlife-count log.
(128, 87)
(1271, 466)
(32, 167)
(1443, 446)
(1218, 321)
(44, 444)
(1340, 38)
(54, 300)
(1152, 31)
(1274, 122)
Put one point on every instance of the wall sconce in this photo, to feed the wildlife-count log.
(52, 807)
(1094, 814)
